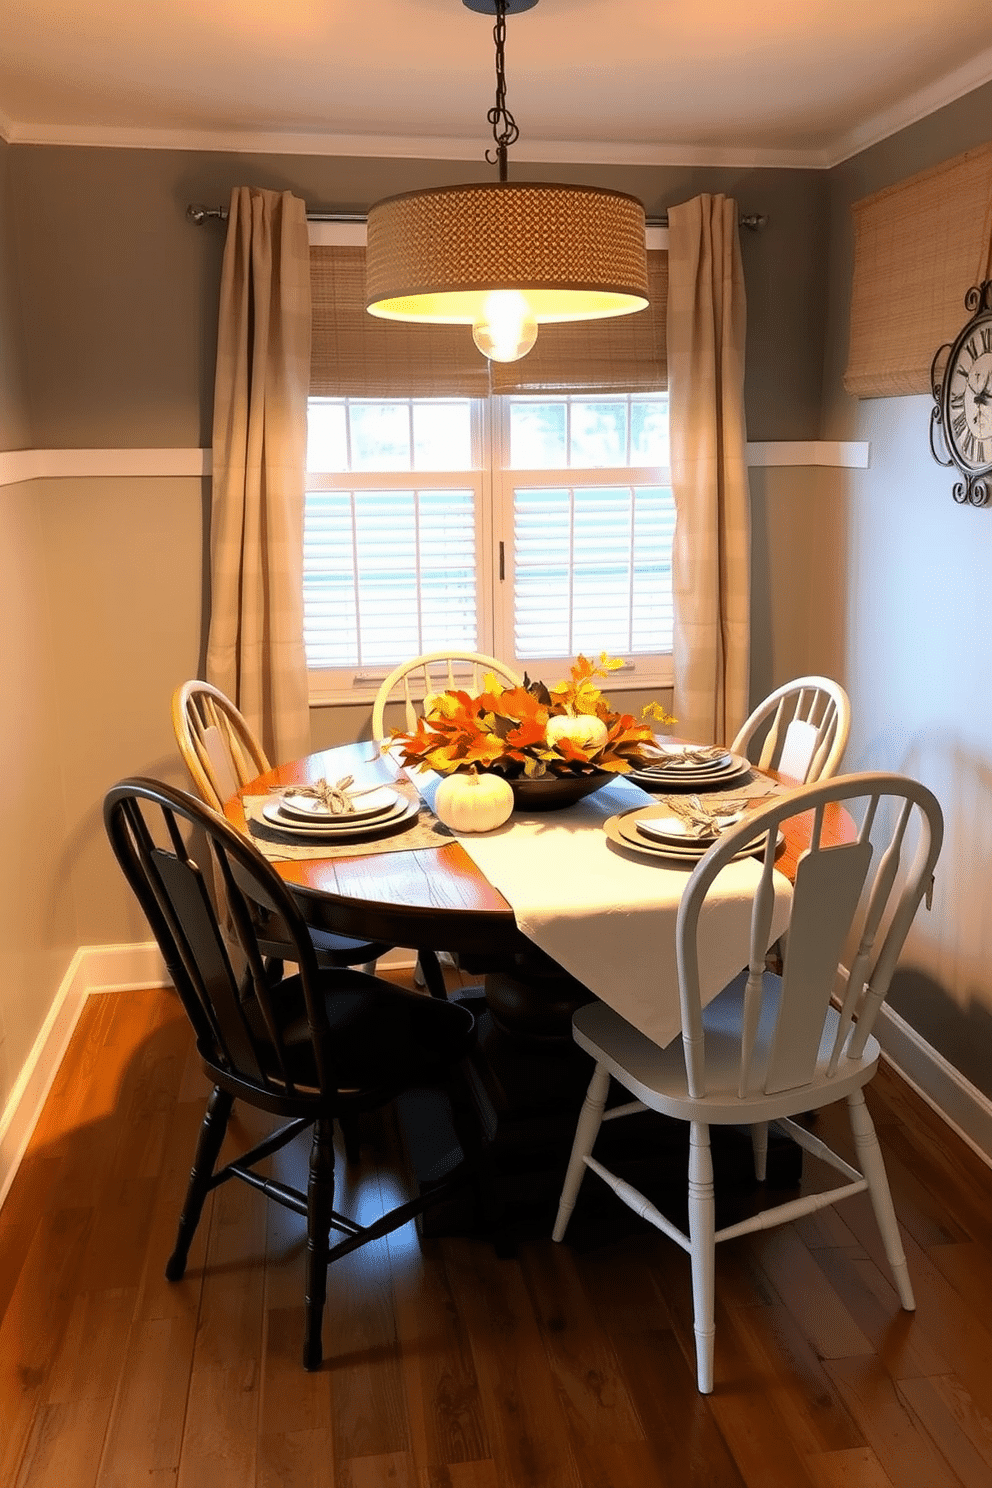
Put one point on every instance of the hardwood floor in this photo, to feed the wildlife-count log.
(445, 1366)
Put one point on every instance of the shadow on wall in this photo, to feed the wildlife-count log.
(963, 1034)
(943, 988)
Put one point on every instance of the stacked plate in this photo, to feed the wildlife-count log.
(654, 832)
(374, 813)
(690, 767)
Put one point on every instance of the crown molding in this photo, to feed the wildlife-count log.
(920, 105)
(403, 147)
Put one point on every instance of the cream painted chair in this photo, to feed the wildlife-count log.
(800, 730)
(219, 749)
(771, 1048)
(435, 671)
(222, 754)
(409, 684)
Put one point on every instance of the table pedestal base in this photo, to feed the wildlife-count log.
(523, 1099)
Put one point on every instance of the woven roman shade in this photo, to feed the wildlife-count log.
(354, 354)
(918, 248)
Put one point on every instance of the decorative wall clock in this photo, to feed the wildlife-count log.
(961, 383)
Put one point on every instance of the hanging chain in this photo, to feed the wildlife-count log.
(505, 131)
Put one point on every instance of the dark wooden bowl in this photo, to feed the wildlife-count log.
(555, 792)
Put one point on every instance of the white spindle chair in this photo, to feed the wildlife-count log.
(769, 1048)
(435, 671)
(802, 728)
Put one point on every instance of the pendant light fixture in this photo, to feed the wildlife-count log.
(504, 257)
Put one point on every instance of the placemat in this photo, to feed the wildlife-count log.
(423, 831)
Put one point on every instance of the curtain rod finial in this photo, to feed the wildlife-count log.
(198, 214)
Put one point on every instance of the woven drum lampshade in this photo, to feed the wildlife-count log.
(570, 252)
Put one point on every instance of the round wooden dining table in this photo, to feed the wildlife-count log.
(434, 897)
(527, 1076)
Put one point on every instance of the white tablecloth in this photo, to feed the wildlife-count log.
(608, 918)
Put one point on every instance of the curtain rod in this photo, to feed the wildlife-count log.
(199, 214)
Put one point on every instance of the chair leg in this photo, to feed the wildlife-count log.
(320, 1208)
(873, 1166)
(759, 1146)
(590, 1118)
(703, 1250)
(208, 1147)
(428, 973)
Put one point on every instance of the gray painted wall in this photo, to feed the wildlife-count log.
(14, 427)
(910, 618)
(120, 292)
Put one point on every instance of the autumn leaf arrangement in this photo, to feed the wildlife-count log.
(531, 730)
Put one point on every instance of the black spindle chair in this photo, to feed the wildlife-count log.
(311, 1048)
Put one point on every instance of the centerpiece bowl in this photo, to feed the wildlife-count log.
(555, 792)
(552, 745)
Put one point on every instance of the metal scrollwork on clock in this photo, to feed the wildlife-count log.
(961, 384)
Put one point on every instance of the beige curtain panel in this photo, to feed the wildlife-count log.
(357, 354)
(918, 248)
(255, 649)
(711, 555)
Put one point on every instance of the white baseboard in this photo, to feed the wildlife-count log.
(962, 1105)
(108, 968)
(92, 970)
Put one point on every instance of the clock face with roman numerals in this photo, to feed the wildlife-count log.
(963, 393)
(969, 397)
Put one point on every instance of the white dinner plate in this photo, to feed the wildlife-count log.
(681, 757)
(675, 829)
(622, 832)
(661, 777)
(376, 802)
(340, 826)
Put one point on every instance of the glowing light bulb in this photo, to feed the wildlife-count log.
(506, 330)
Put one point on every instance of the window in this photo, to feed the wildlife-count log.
(526, 526)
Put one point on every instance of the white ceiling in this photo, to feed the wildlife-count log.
(636, 81)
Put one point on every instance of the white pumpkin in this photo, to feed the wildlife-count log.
(585, 731)
(473, 803)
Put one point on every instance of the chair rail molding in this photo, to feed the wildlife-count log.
(55, 464)
(17, 466)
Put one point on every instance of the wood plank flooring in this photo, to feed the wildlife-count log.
(445, 1366)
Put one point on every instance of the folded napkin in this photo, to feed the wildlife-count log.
(609, 919)
(703, 818)
(340, 799)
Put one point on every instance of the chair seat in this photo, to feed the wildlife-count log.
(384, 1037)
(332, 950)
(658, 1077)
